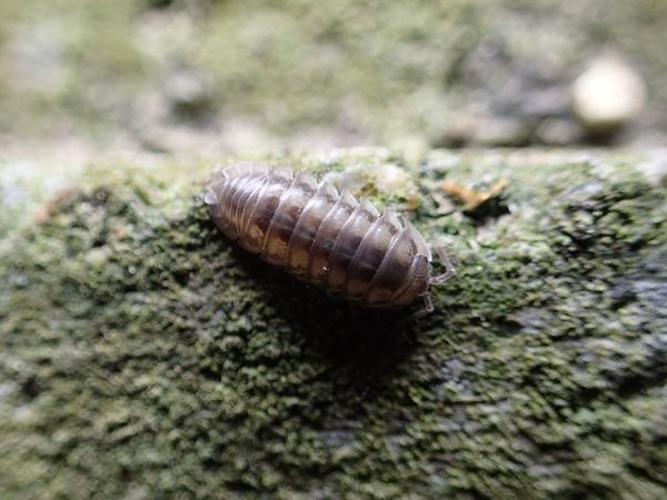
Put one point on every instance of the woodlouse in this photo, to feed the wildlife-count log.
(324, 237)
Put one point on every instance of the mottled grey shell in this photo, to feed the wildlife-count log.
(322, 236)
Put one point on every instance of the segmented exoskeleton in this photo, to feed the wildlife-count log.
(324, 237)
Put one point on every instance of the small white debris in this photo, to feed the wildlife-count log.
(379, 178)
(389, 178)
(608, 95)
(386, 177)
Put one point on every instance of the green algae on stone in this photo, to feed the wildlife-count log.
(143, 355)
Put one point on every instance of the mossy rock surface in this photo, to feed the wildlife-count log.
(142, 355)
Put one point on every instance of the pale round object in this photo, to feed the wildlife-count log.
(608, 94)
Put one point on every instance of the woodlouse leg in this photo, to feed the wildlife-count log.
(449, 273)
(426, 308)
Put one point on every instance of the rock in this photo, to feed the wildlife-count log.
(608, 95)
(142, 354)
(474, 128)
(550, 102)
(558, 132)
(189, 96)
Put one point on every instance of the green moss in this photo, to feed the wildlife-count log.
(142, 354)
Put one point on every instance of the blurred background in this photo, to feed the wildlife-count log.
(80, 77)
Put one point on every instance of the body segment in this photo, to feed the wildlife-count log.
(322, 236)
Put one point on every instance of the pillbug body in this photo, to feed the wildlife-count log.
(324, 237)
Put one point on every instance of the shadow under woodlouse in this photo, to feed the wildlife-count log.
(360, 347)
(329, 322)
(361, 350)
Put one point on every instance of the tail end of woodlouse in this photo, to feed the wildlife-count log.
(450, 271)
(219, 172)
(214, 184)
(214, 187)
(210, 197)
